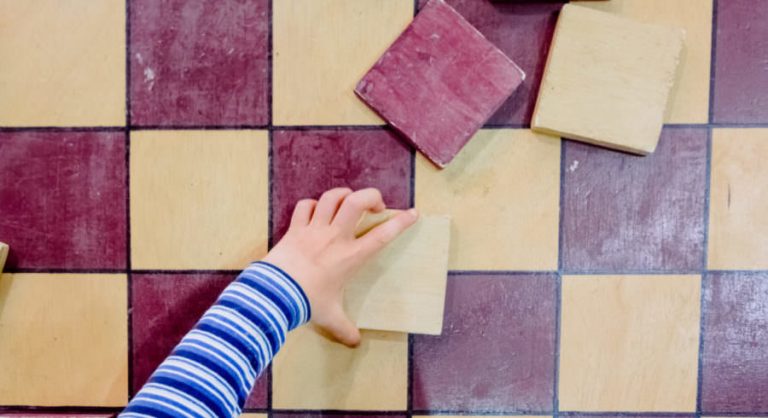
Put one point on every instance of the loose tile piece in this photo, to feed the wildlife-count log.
(403, 287)
(312, 372)
(63, 63)
(505, 24)
(307, 163)
(689, 99)
(497, 349)
(198, 199)
(65, 205)
(617, 95)
(738, 235)
(734, 370)
(629, 343)
(502, 194)
(164, 308)
(741, 79)
(321, 49)
(623, 213)
(196, 63)
(439, 82)
(63, 340)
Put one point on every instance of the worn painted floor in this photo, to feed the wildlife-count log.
(149, 149)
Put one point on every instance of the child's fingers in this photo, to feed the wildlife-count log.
(355, 205)
(328, 205)
(302, 213)
(385, 233)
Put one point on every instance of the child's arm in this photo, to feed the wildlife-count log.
(214, 367)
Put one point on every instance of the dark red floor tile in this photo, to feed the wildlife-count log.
(199, 62)
(741, 62)
(624, 213)
(523, 31)
(307, 163)
(497, 349)
(735, 353)
(164, 308)
(63, 199)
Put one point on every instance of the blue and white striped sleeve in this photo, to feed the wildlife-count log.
(214, 367)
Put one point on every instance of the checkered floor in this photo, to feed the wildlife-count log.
(148, 150)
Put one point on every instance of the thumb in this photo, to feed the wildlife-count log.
(340, 327)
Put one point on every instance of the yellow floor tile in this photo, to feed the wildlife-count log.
(199, 199)
(689, 100)
(253, 416)
(322, 49)
(738, 235)
(63, 339)
(629, 343)
(63, 63)
(311, 372)
(502, 192)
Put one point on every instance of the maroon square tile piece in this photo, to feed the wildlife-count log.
(624, 213)
(735, 352)
(164, 308)
(63, 199)
(505, 24)
(741, 62)
(439, 82)
(497, 349)
(307, 163)
(199, 62)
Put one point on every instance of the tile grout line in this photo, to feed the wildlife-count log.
(559, 283)
(271, 170)
(712, 62)
(412, 203)
(128, 257)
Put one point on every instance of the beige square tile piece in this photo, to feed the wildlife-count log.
(502, 193)
(63, 63)
(63, 339)
(199, 199)
(322, 49)
(312, 372)
(403, 287)
(617, 95)
(629, 343)
(689, 101)
(738, 234)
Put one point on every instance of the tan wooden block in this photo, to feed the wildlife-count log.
(502, 193)
(63, 339)
(312, 372)
(629, 343)
(607, 80)
(3, 255)
(63, 63)
(199, 199)
(403, 287)
(738, 234)
(322, 49)
(689, 100)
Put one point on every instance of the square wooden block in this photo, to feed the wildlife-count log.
(738, 234)
(63, 63)
(689, 99)
(63, 339)
(439, 82)
(502, 193)
(199, 199)
(312, 372)
(607, 80)
(321, 50)
(629, 343)
(403, 287)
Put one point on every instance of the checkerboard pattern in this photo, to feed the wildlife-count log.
(149, 149)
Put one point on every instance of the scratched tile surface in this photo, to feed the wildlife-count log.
(148, 150)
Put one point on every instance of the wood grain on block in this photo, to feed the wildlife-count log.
(608, 80)
(439, 82)
(403, 287)
(3, 255)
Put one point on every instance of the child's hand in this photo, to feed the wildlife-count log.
(321, 253)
